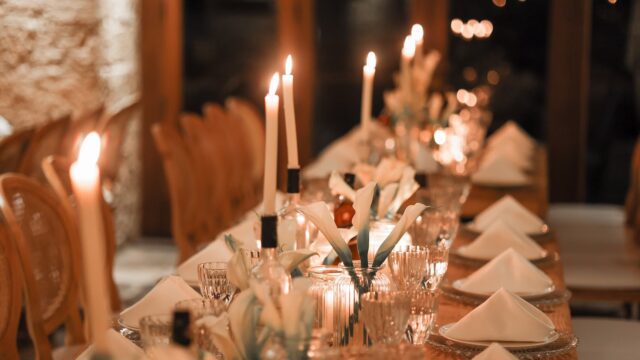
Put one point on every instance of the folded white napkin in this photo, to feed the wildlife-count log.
(503, 317)
(511, 145)
(495, 351)
(498, 237)
(340, 187)
(499, 171)
(510, 153)
(160, 300)
(510, 271)
(218, 249)
(511, 130)
(512, 212)
(119, 347)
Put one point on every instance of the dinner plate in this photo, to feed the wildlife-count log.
(457, 285)
(549, 258)
(473, 229)
(553, 336)
(128, 326)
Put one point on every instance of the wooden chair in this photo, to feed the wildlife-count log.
(13, 148)
(46, 141)
(10, 296)
(78, 128)
(56, 171)
(601, 261)
(253, 129)
(214, 204)
(113, 130)
(184, 187)
(47, 245)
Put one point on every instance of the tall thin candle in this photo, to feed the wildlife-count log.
(408, 51)
(368, 73)
(290, 116)
(85, 181)
(417, 33)
(271, 102)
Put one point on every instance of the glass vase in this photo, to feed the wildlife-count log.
(348, 289)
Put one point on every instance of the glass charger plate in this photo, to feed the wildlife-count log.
(565, 343)
(541, 236)
(549, 259)
(544, 302)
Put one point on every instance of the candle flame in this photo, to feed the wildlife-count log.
(288, 65)
(440, 136)
(371, 59)
(409, 48)
(273, 86)
(89, 149)
(417, 32)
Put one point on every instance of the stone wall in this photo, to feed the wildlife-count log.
(61, 56)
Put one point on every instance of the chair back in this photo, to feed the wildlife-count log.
(47, 245)
(10, 296)
(78, 128)
(13, 148)
(184, 187)
(46, 141)
(253, 129)
(56, 171)
(113, 130)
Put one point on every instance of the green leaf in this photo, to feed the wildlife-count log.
(238, 271)
(409, 216)
(243, 320)
(291, 259)
(319, 215)
(231, 242)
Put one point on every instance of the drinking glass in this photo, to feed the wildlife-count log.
(385, 316)
(214, 283)
(155, 330)
(200, 308)
(252, 257)
(407, 266)
(423, 309)
(434, 226)
(437, 264)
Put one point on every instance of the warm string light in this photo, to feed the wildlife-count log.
(472, 28)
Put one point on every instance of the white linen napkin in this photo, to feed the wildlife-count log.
(498, 237)
(499, 171)
(510, 153)
(512, 212)
(495, 351)
(160, 300)
(340, 187)
(510, 271)
(511, 130)
(218, 250)
(119, 347)
(503, 317)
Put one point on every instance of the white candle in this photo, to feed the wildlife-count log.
(271, 102)
(85, 180)
(368, 73)
(408, 51)
(417, 33)
(290, 116)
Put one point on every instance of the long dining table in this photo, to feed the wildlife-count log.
(535, 198)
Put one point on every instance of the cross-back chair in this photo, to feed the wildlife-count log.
(209, 159)
(56, 171)
(47, 245)
(13, 148)
(78, 127)
(184, 187)
(10, 296)
(46, 141)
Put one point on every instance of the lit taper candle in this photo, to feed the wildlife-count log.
(417, 33)
(408, 52)
(368, 73)
(271, 102)
(85, 181)
(290, 116)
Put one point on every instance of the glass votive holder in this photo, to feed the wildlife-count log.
(437, 264)
(155, 330)
(423, 309)
(214, 283)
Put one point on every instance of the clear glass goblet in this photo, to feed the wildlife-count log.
(407, 266)
(385, 316)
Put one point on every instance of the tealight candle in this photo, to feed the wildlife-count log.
(271, 102)
(85, 181)
(368, 73)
